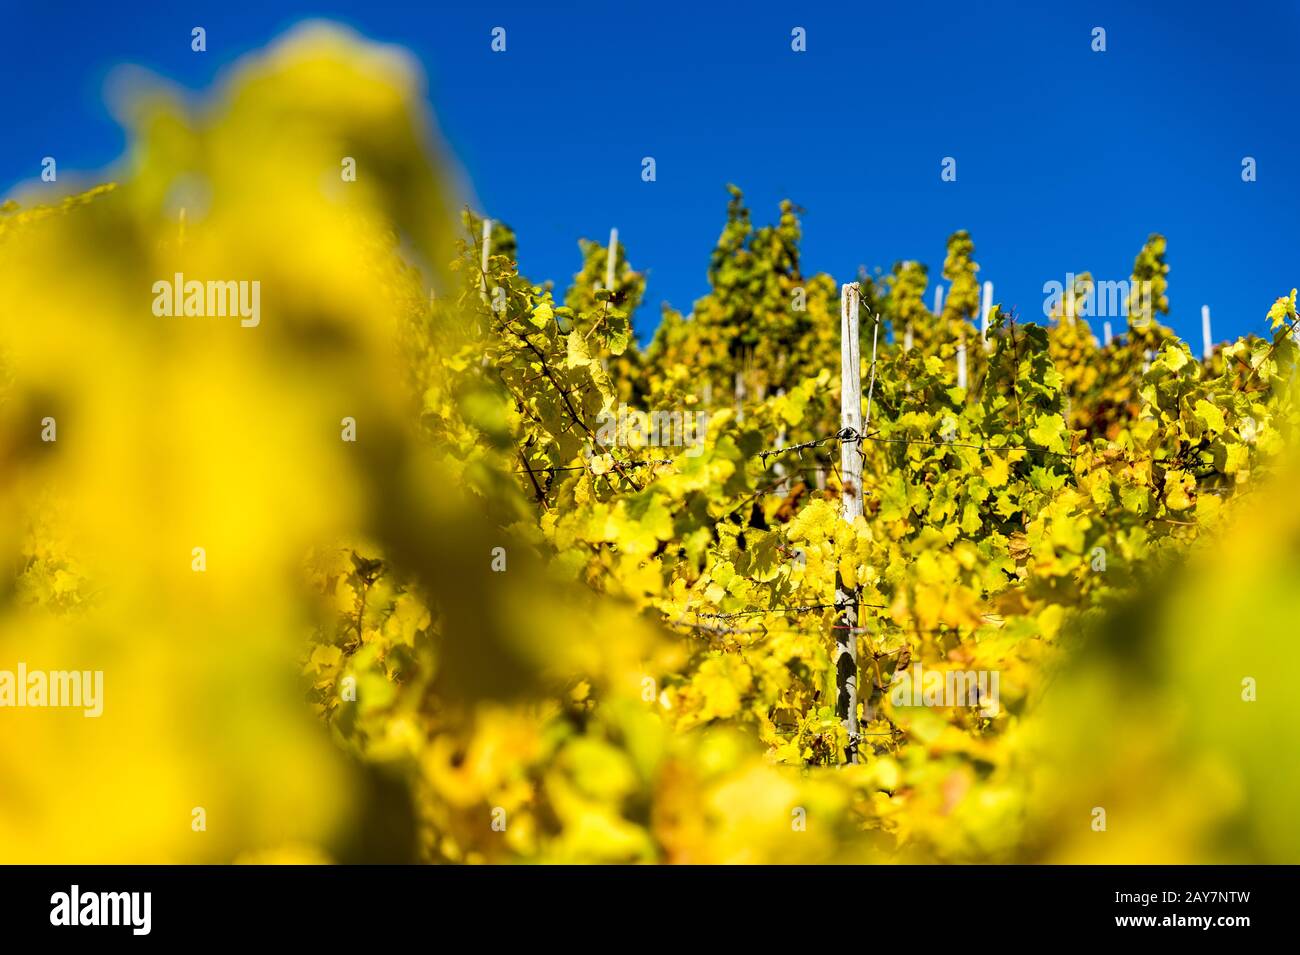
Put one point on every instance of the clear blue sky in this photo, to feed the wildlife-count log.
(1067, 158)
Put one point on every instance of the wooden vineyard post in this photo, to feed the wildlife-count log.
(483, 263)
(483, 273)
(783, 488)
(1207, 338)
(846, 598)
(986, 308)
(610, 258)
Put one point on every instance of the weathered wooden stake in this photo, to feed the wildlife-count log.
(610, 258)
(847, 598)
(782, 488)
(487, 247)
(986, 309)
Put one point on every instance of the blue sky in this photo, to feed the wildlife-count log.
(1066, 158)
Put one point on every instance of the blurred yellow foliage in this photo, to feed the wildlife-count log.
(294, 625)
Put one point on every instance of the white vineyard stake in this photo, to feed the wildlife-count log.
(961, 364)
(985, 309)
(1105, 330)
(907, 346)
(938, 300)
(487, 245)
(609, 259)
(782, 488)
(846, 598)
(1207, 340)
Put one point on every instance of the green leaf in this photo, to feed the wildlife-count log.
(577, 356)
(1049, 432)
(542, 315)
